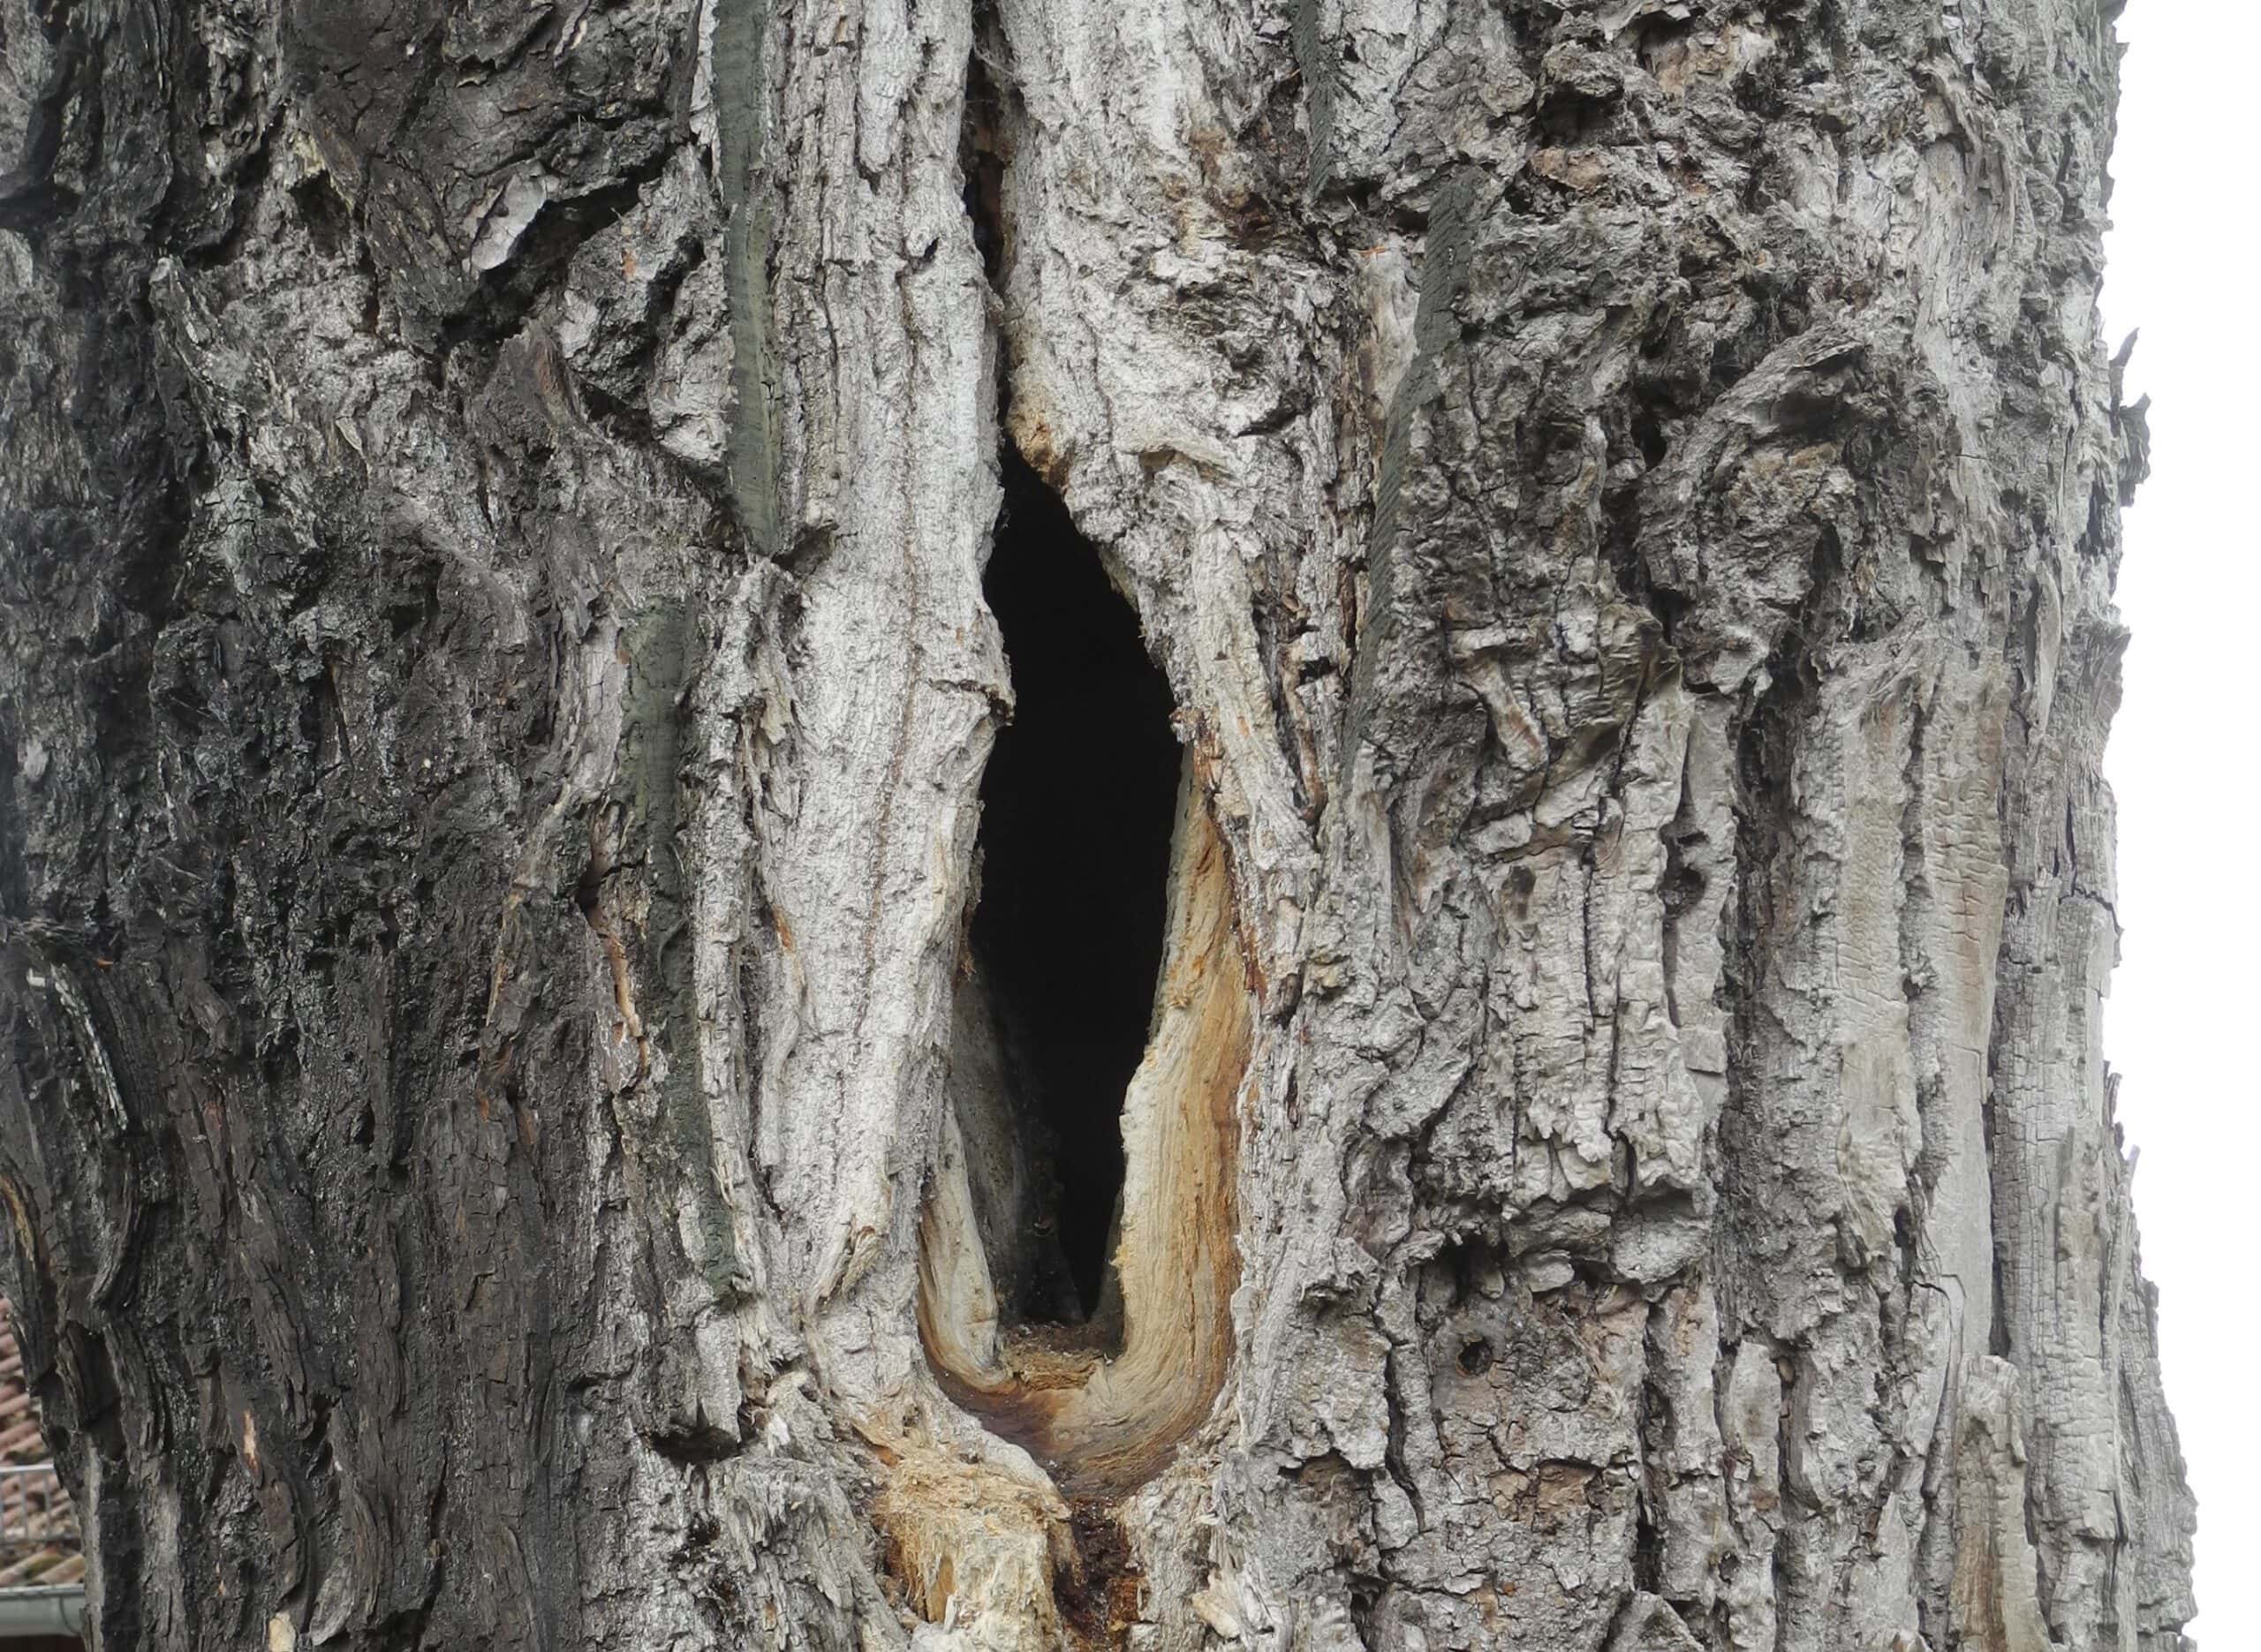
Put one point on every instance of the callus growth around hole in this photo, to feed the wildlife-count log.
(1083, 1209)
(1078, 804)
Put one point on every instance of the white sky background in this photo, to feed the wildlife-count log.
(2184, 758)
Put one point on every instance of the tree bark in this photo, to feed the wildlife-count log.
(514, 1130)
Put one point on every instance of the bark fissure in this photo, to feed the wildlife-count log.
(1077, 802)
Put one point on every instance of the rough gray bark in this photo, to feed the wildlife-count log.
(503, 1138)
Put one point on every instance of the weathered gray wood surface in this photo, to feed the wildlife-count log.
(494, 687)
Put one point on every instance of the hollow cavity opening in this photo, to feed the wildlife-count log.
(1079, 803)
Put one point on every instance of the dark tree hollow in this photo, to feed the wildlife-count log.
(1078, 804)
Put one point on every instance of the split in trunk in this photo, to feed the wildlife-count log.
(1079, 1253)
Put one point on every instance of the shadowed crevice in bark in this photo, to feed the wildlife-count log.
(1076, 809)
(1076, 1258)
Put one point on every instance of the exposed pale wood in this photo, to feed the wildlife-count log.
(1104, 1420)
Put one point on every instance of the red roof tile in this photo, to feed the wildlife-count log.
(39, 1530)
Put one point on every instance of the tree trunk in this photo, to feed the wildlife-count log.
(1525, 1072)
